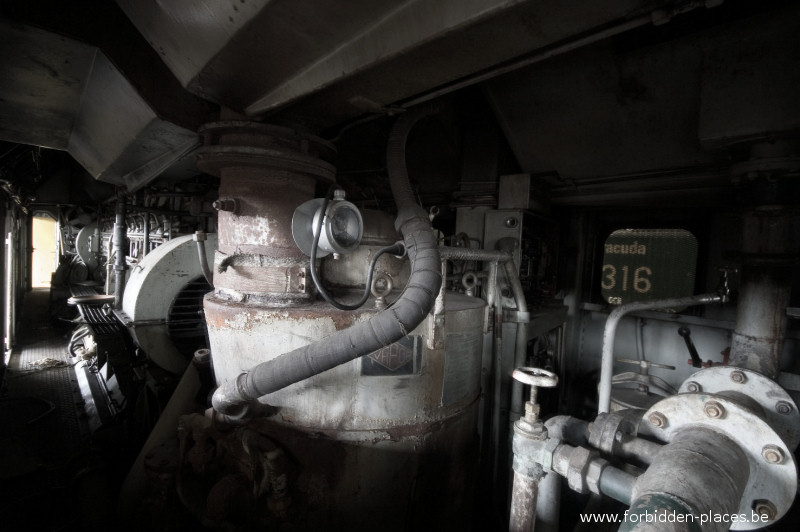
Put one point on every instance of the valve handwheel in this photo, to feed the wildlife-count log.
(541, 378)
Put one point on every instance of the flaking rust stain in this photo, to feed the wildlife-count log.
(258, 231)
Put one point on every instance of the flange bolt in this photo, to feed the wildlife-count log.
(783, 407)
(738, 376)
(772, 454)
(765, 509)
(693, 387)
(713, 409)
(225, 204)
(657, 419)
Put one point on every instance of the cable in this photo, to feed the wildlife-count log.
(395, 249)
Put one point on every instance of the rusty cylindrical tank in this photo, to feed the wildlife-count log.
(385, 441)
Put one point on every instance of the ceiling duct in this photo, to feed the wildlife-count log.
(63, 94)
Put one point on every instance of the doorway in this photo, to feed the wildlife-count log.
(45, 247)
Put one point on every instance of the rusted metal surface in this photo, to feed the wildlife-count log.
(414, 477)
(265, 173)
(258, 274)
(347, 397)
(769, 248)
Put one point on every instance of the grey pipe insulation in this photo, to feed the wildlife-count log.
(387, 326)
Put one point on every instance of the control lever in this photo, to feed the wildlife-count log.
(687, 337)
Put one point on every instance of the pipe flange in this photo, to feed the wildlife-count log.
(773, 472)
(779, 408)
(242, 143)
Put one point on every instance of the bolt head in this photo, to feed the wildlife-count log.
(657, 419)
(738, 376)
(772, 454)
(693, 387)
(783, 407)
(766, 509)
(713, 409)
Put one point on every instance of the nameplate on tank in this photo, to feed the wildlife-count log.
(400, 358)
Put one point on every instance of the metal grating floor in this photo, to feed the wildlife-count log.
(41, 428)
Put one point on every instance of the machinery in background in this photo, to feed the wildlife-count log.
(134, 346)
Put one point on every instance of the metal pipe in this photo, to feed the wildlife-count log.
(639, 449)
(548, 503)
(524, 492)
(491, 290)
(109, 263)
(521, 339)
(609, 334)
(639, 339)
(497, 370)
(381, 330)
(120, 266)
(699, 472)
(617, 484)
(200, 238)
(569, 429)
(480, 255)
(768, 249)
(146, 242)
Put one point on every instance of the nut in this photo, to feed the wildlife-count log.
(772, 454)
(738, 376)
(693, 387)
(713, 409)
(783, 407)
(765, 508)
(657, 419)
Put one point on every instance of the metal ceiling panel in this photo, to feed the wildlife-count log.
(116, 132)
(358, 56)
(64, 94)
(631, 107)
(597, 112)
(43, 76)
(760, 66)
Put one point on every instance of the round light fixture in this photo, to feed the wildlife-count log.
(341, 231)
